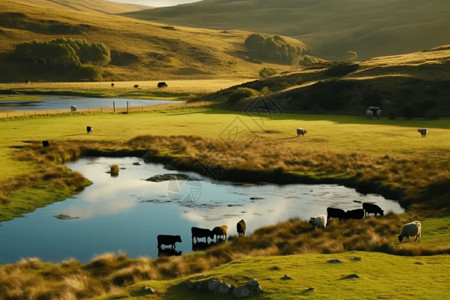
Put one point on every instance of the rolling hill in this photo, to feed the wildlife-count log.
(404, 86)
(330, 28)
(140, 50)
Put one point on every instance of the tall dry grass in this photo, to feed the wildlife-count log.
(109, 273)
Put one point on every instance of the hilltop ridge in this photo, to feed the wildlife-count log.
(330, 28)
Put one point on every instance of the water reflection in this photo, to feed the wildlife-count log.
(65, 102)
(128, 212)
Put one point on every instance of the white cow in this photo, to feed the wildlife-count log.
(301, 131)
(411, 229)
(369, 114)
(319, 221)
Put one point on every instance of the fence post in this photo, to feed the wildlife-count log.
(114, 107)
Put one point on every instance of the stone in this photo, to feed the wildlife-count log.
(224, 288)
(351, 276)
(286, 277)
(149, 290)
(213, 285)
(356, 258)
(334, 261)
(241, 292)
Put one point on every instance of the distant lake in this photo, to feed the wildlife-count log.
(127, 212)
(65, 102)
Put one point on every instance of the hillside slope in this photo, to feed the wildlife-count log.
(140, 50)
(101, 6)
(330, 28)
(407, 86)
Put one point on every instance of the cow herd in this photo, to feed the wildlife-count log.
(354, 214)
(217, 235)
(160, 85)
(321, 221)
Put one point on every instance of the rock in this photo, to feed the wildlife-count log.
(149, 290)
(65, 217)
(334, 261)
(241, 292)
(286, 277)
(356, 258)
(351, 276)
(254, 286)
(224, 288)
(168, 177)
(419, 263)
(213, 285)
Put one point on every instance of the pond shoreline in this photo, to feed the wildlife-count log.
(243, 176)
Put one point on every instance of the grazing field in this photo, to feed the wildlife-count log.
(385, 154)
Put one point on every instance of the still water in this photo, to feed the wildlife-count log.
(64, 102)
(127, 212)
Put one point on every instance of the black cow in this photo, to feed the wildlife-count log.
(241, 227)
(335, 213)
(89, 129)
(164, 239)
(201, 233)
(356, 214)
(162, 84)
(45, 144)
(136, 86)
(372, 209)
(112, 84)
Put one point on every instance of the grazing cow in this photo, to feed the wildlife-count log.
(201, 233)
(335, 213)
(378, 113)
(162, 84)
(423, 131)
(356, 214)
(89, 129)
(45, 144)
(136, 86)
(112, 84)
(301, 132)
(319, 221)
(411, 229)
(241, 227)
(220, 231)
(369, 114)
(372, 209)
(73, 108)
(164, 239)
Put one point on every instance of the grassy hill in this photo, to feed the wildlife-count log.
(101, 6)
(407, 86)
(330, 28)
(140, 50)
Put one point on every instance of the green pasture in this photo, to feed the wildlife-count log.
(349, 134)
(379, 276)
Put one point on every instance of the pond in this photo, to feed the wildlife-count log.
(65, 102)
(127, 212)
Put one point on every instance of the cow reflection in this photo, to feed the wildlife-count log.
(202, 246)
(162, 252)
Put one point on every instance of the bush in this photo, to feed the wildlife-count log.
(114, 170)
(90, 73)
(267, 72)
(241, 93)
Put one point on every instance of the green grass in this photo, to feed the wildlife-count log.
(380, 276)
(19, 98)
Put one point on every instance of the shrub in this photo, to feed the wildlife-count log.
(241, 93)
(266, 72)
(114, 170)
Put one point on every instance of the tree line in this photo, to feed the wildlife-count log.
(64, 52)
(274, 47)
